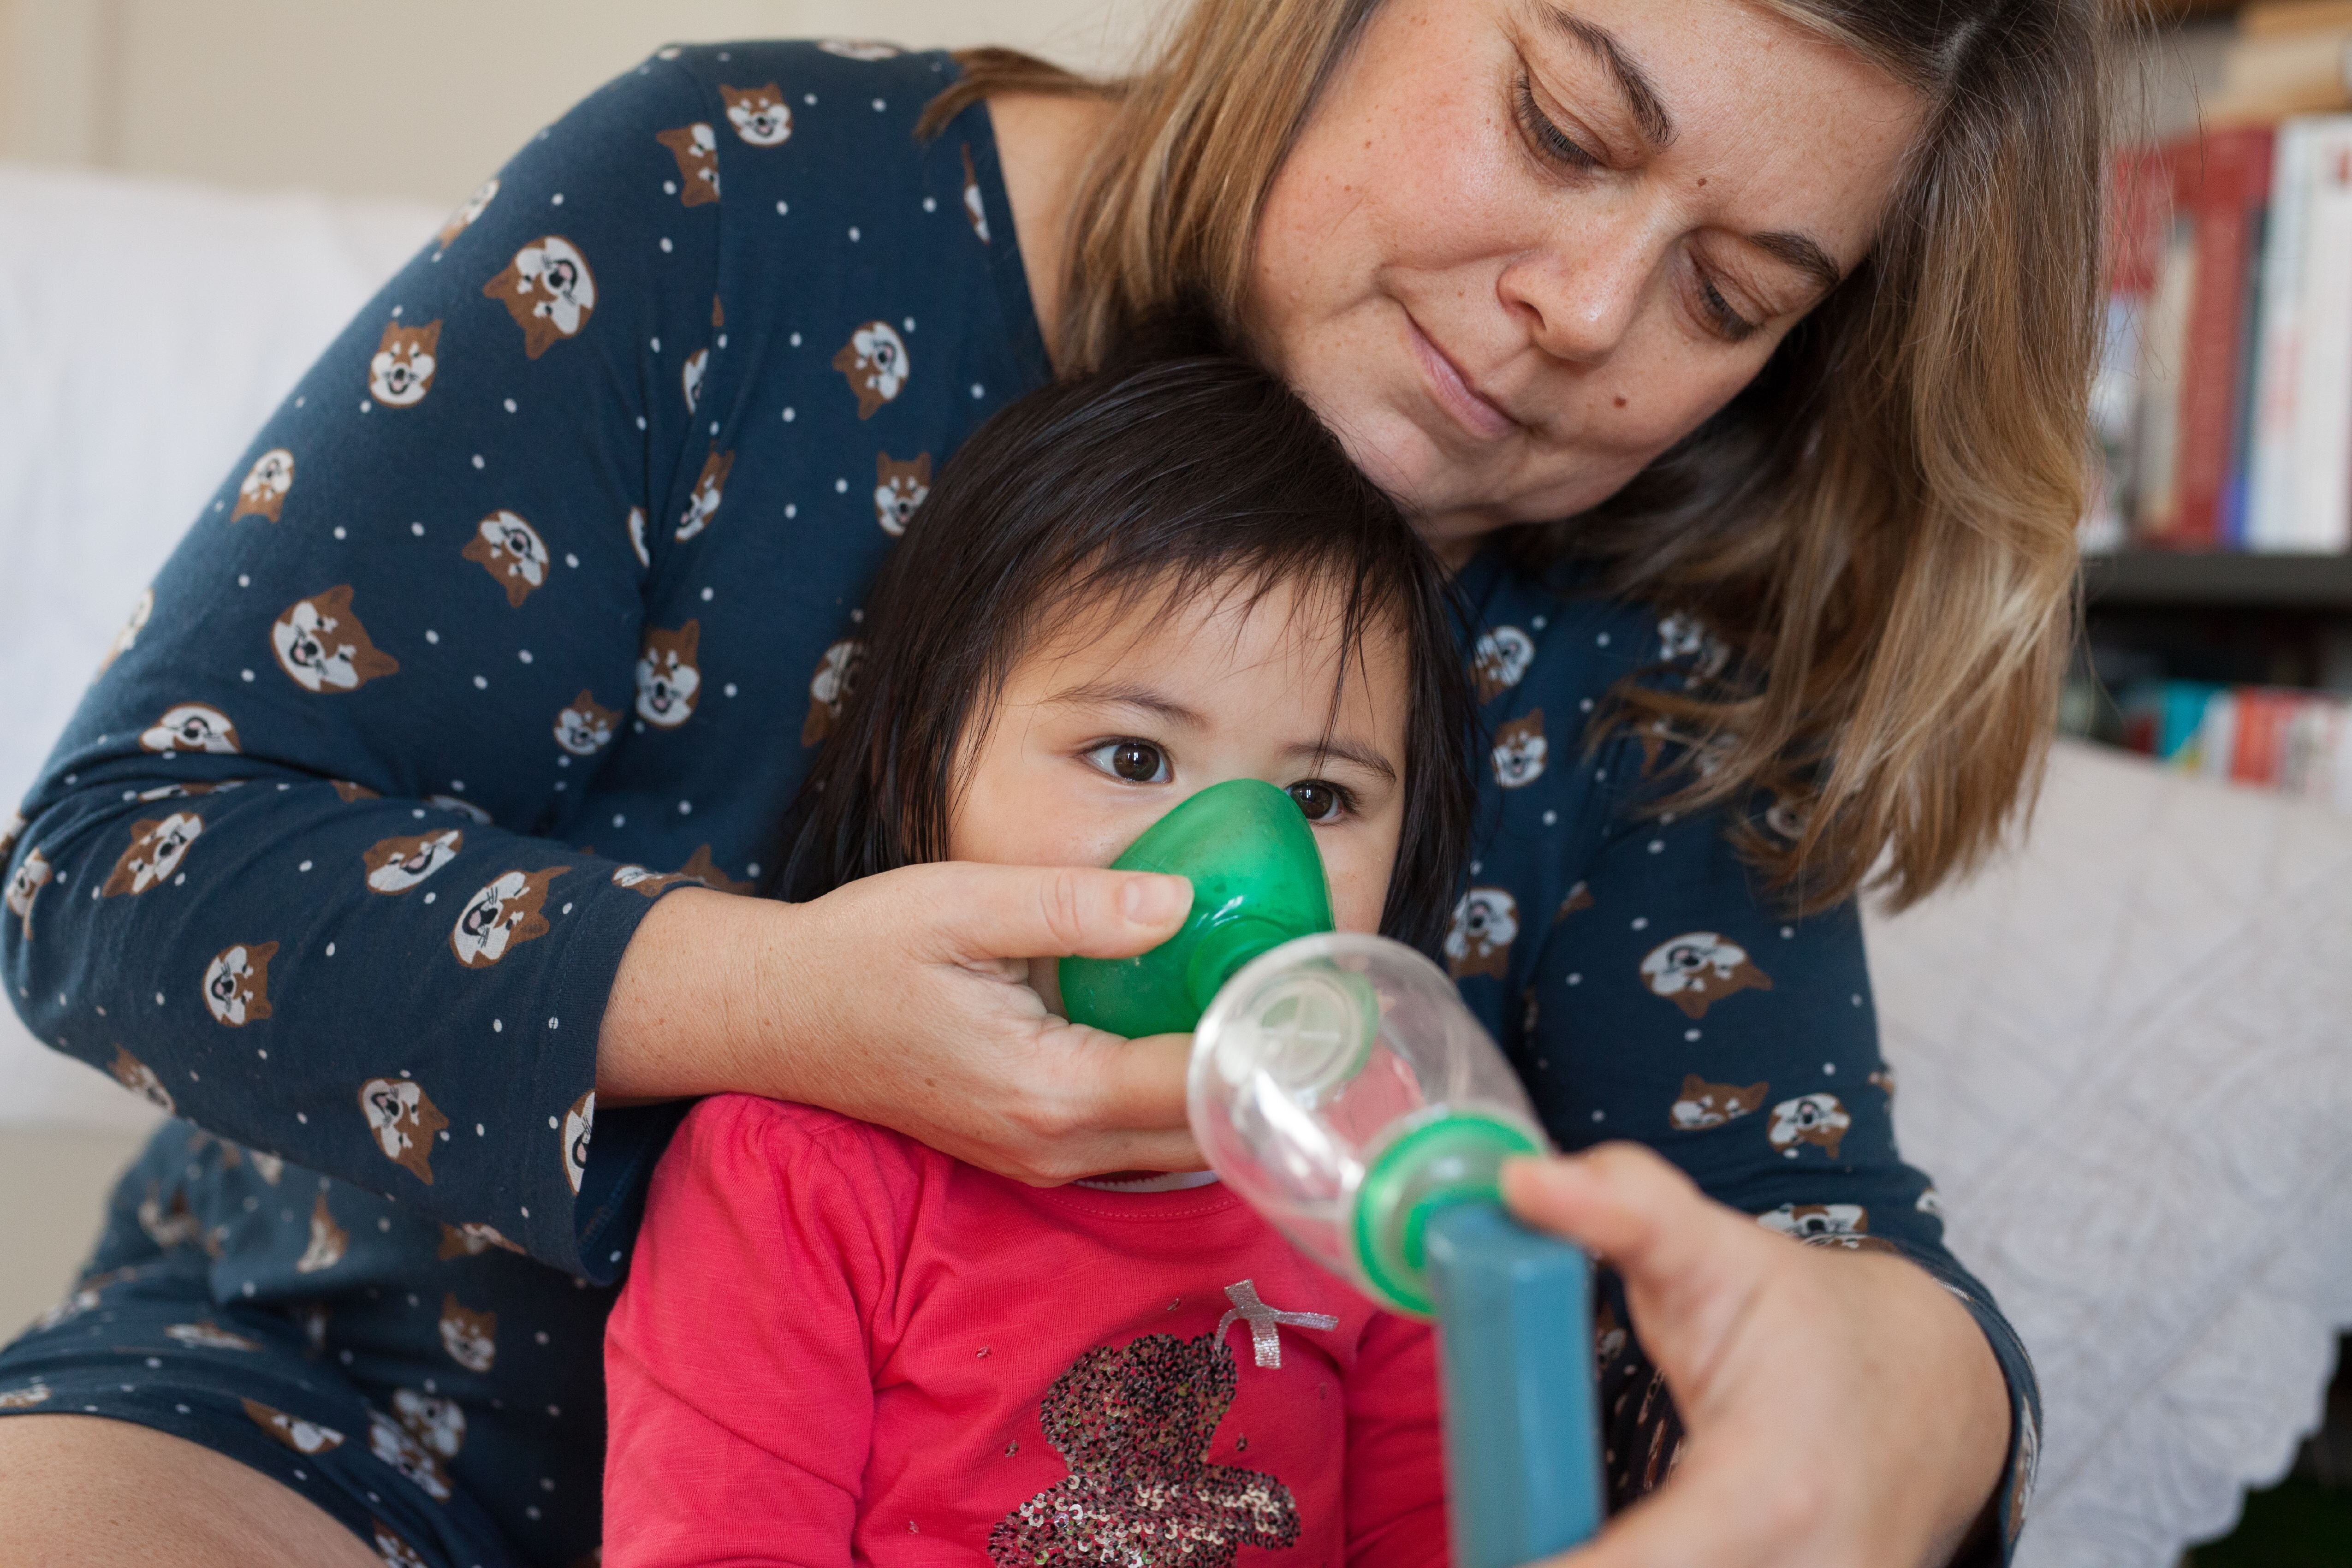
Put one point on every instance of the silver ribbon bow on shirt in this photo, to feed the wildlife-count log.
(1266, 1342)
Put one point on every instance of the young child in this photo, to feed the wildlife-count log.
(836, 1344)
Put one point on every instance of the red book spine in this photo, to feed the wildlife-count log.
(2260, 752)
(2220, 184)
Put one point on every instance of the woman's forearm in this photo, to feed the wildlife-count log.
(897, 1000)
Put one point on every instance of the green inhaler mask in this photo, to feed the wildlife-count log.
(1339, 1084)
(1257, 881)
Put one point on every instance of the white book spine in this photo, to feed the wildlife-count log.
(2270, 463)
(2322, 517)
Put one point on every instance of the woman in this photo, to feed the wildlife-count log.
(509, 620)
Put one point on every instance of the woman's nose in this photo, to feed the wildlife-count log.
(1579, 293)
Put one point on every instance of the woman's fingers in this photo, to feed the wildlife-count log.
(1031, 911)
(1691, 1266)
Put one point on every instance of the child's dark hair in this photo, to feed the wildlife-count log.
(1172, 477)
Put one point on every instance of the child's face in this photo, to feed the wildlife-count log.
(1107, 725)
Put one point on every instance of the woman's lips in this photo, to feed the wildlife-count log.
(1452, 392)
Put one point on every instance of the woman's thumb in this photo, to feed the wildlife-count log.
(1057, 911)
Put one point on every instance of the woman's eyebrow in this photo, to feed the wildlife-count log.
(1641, 94)
(1364, 757)
(1801, 251)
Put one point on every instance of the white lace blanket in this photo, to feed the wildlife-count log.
(2125, 1054)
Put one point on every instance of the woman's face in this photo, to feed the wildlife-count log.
(1522, 247)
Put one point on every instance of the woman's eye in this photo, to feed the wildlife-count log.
(1321, 801)
(1548, 138)
(1719, 314)
(1136, 761)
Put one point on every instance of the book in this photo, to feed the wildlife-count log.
(2321, 518)
(2269, 464)
(2220, 183)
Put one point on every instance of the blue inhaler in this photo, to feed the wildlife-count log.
(1339, 1084)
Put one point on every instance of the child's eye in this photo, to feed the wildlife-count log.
(1136, 761)
(1322, 800)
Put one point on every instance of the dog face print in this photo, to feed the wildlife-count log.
(142, 607)
(391, 1443)
(157, 846)
(859, 48)
(1816, 1119)
(1684, 637)
(168, 1227)
(874, 362)
(24, 1398)
(638, 536)
(329, 1241)
(1578, 897)
(236, 983)
(323, 648)
(1485, 923)
(191, 727)
(973, 211)
(699, 868)
(464, 808)
(398, 864)
(302, 1436)
(471, 1240)
(758, 114)
(502, 917)
(583, 728)
(1882, 1079)
(392, 1550)
(578, 1121)
(401, 373)
(403, 1120)
(1785, 818)
(463, 218)
(1697, 968)
(549, 291)
(204, 1335)
(899, 489)
(438, 1423)
(262, 491)
(471, 1338)
(829, 688)
(1702, 1104)
(25, 884)
(1500, 660)
(689, 377)
(139, 1080)
(1813, 1222)
(709, 488)
(668, 683)
(511, 551)
(12, 829)
(644, 880)
(352, 794)
(1520, 750)
(695, 148)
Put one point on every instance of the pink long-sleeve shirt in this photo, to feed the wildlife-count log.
(839, 1346)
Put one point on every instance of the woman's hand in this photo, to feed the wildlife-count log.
(1839, 1408)
(899, 999)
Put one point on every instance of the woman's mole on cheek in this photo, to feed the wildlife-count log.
(1621, 402)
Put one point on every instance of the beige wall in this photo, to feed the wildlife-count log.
(415, 98)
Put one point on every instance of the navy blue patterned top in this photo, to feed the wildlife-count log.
(532, 601)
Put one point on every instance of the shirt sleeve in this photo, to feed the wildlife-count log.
(737, 1374)
(1396, 1467)
(1674, 1003)
(303, 869)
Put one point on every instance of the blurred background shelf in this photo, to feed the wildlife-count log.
(2192, 581)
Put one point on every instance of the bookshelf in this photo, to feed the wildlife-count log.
(2147, 580)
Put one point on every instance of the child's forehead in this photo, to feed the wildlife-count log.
(1204, 621)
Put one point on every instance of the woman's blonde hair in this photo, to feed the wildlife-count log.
(1880, 529)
